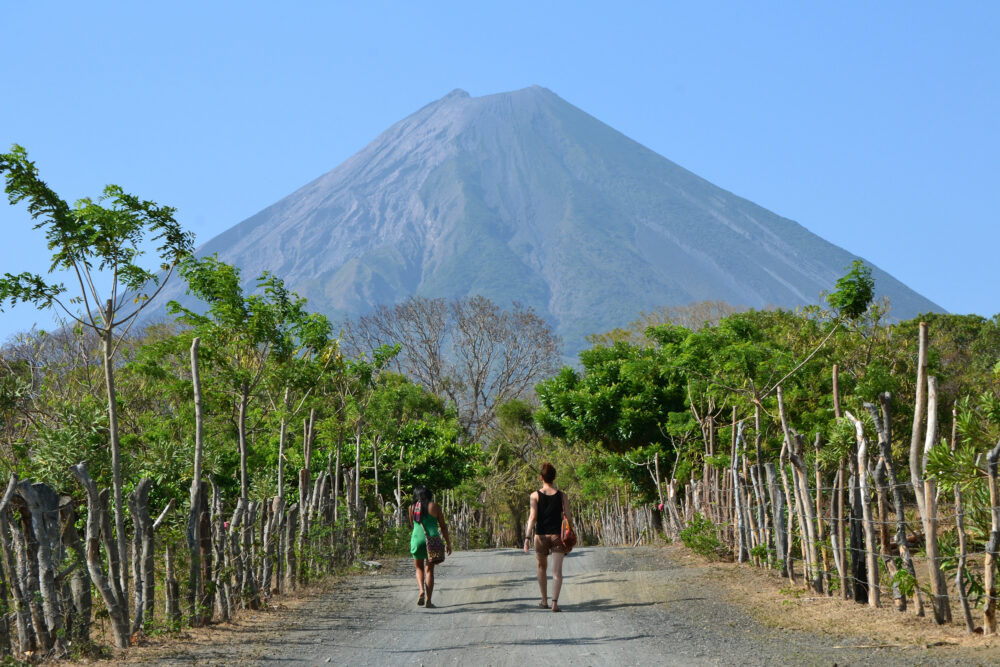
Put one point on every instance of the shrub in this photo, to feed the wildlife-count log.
(701, 537)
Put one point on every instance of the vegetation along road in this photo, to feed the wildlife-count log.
(638, 606)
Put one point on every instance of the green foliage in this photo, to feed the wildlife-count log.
(720, 461)
(434, 457)
(903, 580)
(90, 236)
(838, 443)
(854, 291)
(79, 433)
(618, 402)
(764, 552)
(702, 537)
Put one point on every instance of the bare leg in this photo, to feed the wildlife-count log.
(542, 576)
(557, 561)
(429, 585)
(419, 565)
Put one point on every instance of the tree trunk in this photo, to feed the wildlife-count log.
(242, 428)
(291, 523)
(885, 551)
(79, 584)
(793, 442)
(920, 403)
(113, 600)
(143, 548)
(26, 553)
(116, 463)
(282, 434)
(778, 518)
(221, 549)
(337, 476)
(992, 545)
(790, 501)
(939, 586)
(960, 529)
(742, 549)
(25, 632)
(859, 571)
(883, 426)
(270, 544)
(820, 536)
(839, 514)
(871, 562)
(763, 517)
(249, 590)
(357, 468)
(171, 593)
(41, 529)
(195, 582)
(205, 547)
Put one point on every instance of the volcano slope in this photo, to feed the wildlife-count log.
(642, 606)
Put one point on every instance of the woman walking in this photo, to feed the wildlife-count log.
(427, 520)
(545, 520)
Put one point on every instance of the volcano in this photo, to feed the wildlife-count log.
(523, 197)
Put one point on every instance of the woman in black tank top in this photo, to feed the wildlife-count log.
(545, 520)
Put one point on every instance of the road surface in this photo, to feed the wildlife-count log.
(620, 607)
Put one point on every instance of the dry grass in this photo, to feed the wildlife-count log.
(774, 602)
(245, 623)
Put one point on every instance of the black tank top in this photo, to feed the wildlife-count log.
(549, 520)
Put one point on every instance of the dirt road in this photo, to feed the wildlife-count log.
(621, 607)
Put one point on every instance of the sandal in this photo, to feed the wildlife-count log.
(420, 600)
(555, 606)
(543, 605)
(429, 605)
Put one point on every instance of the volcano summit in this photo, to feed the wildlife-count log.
(521, 196)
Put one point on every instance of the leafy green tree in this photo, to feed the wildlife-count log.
(97, 243)
(854, 291)
(617, 402)
(245, 332)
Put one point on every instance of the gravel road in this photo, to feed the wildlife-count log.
(621, 607)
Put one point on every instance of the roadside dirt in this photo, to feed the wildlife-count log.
(642, 606)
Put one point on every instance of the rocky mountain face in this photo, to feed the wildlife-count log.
(523, 197)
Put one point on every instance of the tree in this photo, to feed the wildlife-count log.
(95, 242)
(854, 292)
(468, 350)
(245, 332)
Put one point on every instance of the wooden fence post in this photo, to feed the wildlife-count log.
(98, 526)
(871, 562)
(171, 592)
(839, 534)
(960, 529)
(992, 545)
(939, 587)
(196, 583)
(291, 524)
(883, 427)
(79, 583)
(778, 519)
(920, 404)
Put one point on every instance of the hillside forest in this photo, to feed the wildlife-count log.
(168, 472)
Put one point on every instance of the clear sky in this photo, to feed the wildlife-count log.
(875, 125)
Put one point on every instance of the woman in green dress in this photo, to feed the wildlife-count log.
(430, 523)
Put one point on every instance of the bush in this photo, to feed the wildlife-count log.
(701, 537)
(395, 541)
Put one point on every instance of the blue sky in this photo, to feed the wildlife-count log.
(875, 125)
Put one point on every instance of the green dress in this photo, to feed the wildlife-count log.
(418, 539)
